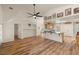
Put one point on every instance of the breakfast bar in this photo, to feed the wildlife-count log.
(53, 35)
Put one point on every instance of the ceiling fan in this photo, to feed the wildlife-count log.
(34, 15)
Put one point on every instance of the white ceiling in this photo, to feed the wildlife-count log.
(19, 11)
(43, 8)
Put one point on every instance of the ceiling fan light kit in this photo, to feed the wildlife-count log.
(34, 17)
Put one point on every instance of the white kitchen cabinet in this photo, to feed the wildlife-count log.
(53, 36)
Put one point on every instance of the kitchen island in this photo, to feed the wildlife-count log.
(53, 35)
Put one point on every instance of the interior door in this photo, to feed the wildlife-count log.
(16, 31)
(40, 25)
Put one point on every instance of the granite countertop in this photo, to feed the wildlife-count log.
(50, 31)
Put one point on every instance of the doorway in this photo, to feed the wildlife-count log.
(16, 30)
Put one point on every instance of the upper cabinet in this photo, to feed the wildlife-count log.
(49, 25)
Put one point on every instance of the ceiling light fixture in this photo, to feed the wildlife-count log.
(34, 12)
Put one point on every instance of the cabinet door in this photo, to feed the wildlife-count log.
(67, 29)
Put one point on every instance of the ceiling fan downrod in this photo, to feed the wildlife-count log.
(34, 8)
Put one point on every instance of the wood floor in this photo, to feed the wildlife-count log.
(37, 46)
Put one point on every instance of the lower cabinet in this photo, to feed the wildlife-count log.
(53, 36)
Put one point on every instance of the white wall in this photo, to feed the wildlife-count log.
(61, 9)
(8, 32)
(1, 14)
(1, 34)
(15, 16)
(1, 25)
(27, 31)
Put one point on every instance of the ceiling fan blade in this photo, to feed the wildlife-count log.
(34, 15)
(38, 13)
(30, 14)
(39, 16)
